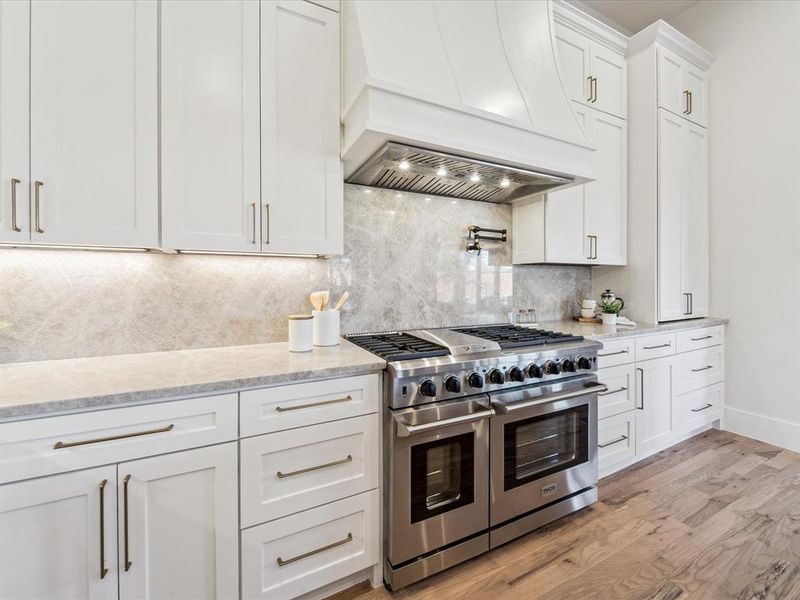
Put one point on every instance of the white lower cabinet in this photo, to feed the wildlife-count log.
(178, 525)
(302, 552)
(58, 536)
(654, 403)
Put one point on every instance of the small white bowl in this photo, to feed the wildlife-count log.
(587, 313)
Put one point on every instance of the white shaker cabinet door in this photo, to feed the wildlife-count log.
(302, 188)
(209, 125)
(654, 426)
(609, 70)
(694, 211)
(574, 58)
(606, 206)
(14, 182)
(696, 83)
(179, 526)
(94, 122)
(58, 537)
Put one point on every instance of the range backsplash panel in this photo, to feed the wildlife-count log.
(404, 264)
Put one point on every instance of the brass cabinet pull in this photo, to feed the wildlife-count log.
(691, 303)
(592, 247)
(282, 562)
(253, 207)
(625, 351)
(686, 101)
(612, 442)
(706, 368)
(700, 339)
(641, 396)
(702, 408)
(591, 88)
(667, 345)
(14, 226)
(111, 438)
(594, 93)
(691, 104)
(267, 223)
(37, 185)
(606, 393)
(103, 569)
(312, 469)
(125, 481)
(313, 404)
(595, 240)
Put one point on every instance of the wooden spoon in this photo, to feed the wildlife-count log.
(326, 295)
(317, 299)
(344, 298)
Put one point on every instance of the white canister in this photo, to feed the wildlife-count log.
(326, 327)
(301, 333)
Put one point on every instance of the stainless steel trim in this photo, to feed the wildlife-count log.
(641, 395)
(539, 518)
(103, 569)
(621, 438)
(317, 468)
(288, 561)
(125, 481)
(436, 563)
(609, 392)
(111, 438)
(267, 223)
(406, 430)
(707, 406)
(700, 339)
(706, 368)
(253, 207)
(14, 226)
(667, 345)
(625, 351)
(313, 404)
(501, 408)
(37, 185)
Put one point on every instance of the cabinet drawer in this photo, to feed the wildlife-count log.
(286, 472)
(616, 352)
(655, 346)
(57, 444)
(698, 408)
(695, 339)
(621, 395)
(616, 441)
(300, 553)
(698, 369)
(286, 407)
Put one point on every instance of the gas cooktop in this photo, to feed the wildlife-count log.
(511, 336)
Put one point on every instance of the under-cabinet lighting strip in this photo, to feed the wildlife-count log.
(154, 250)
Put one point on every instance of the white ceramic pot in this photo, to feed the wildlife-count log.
(301, 333)
(326, 327)
(609, 318)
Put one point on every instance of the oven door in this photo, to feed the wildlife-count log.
(544, 445)
(438, 480)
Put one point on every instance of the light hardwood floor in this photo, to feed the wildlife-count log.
(717, 516)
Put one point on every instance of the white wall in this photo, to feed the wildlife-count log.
(755, 206)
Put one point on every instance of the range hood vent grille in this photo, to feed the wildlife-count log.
(406, 168)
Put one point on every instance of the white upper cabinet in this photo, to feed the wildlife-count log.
(302, 187)
(210, 125)
(58, 536)
(682, 87)
(94, 122)
(592, 73)
(14, 183)
(682, 218)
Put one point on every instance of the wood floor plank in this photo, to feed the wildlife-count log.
(716, 517)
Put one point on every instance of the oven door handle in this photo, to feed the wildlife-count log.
(501, 408)
(406, 430)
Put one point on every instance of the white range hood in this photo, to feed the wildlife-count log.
(459, 98)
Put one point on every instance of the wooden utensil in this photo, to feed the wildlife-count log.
(317, 299)
(344, 298)
(326, 295)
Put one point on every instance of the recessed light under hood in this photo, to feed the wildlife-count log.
(402, 167)
(460, 99)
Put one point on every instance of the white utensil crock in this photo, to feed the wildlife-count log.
(301, 333)
(609, 318)
(326, 327)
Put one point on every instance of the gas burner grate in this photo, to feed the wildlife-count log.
(511, 336)
(398, 346)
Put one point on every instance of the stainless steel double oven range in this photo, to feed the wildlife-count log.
(489, 432)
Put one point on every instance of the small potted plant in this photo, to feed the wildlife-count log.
(609, 311)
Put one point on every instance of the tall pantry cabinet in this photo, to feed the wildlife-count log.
(667, 272)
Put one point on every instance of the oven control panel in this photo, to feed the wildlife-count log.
(503, 373)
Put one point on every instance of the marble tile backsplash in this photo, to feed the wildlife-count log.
(404, 264)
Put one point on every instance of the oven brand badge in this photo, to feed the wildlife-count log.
(549, 489)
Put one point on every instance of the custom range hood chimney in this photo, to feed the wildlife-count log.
(458, 98)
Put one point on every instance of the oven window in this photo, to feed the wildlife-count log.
(441, 476)
(538, 447)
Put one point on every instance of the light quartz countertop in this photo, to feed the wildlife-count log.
(40, 388)
(597, 331)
